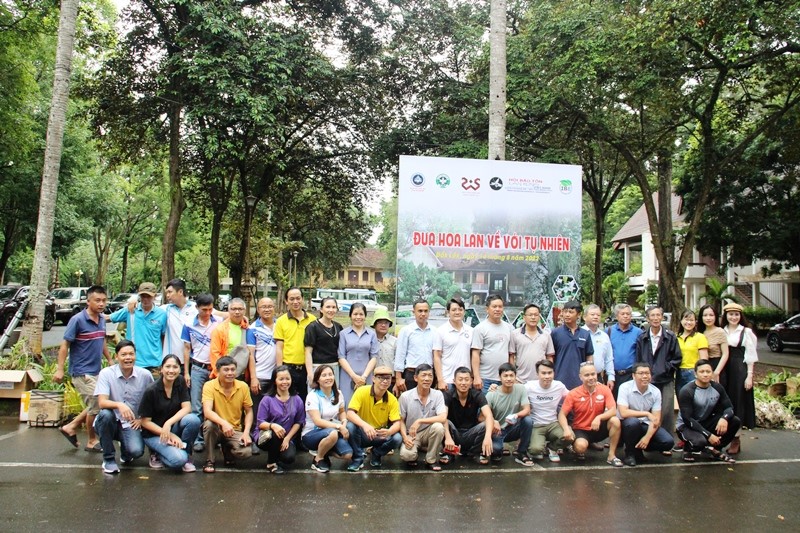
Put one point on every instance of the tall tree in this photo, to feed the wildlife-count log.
(32, 331)
(497, 79)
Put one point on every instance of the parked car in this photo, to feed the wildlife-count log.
(69, 301)
(118, 302)
(369, 304)
(784, 335)
(12, 296)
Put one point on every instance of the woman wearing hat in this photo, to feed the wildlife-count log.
(742, 356)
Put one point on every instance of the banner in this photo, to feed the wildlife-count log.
(472, 228)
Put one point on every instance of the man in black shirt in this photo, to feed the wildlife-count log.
(706, 420)
(469, 419)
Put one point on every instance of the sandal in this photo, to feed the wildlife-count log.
(275, 468)
(435, 467)
(718, 455)
(208, 468)
(523, 459)
(444, 459)
(688, 457)
(483, 460)
(580, 456)
(615, 462)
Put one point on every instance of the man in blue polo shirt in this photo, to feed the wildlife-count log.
(573, 346)
(85, 341)
(623, 337)
(146, 327)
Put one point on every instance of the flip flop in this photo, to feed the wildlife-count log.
(96, 448)
(434, 467)
(615, 462)
(73, 439)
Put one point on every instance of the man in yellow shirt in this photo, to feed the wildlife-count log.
(289, 334)
(373, 420)
(225, 399)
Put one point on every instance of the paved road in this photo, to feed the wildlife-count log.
(45, 484)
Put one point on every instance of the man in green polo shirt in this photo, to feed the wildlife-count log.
(289, 333)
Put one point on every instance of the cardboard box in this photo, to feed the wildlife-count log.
(46, 408)
(14, 382)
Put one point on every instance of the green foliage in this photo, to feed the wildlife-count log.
(420, 281)
(648, 297)
(764, 317)
(615, 289)
(18, 358)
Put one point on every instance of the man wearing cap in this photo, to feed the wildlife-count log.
(381, 323)
(145, 326)
(451, 345)
(572, 345)
(373, 420)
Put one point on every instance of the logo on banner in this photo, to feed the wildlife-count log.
(565, 186)
(443, 181)
(496, 183)
(470, 184)
(418, 179)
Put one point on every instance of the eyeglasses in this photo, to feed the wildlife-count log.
(236, 309)
(383, 377)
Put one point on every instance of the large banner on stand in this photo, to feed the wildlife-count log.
(472, 228)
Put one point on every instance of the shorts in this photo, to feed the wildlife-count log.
(592, 436)
(84, 386)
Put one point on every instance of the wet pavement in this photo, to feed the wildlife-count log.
(44, 483)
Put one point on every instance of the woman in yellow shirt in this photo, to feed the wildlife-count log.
(694, 346)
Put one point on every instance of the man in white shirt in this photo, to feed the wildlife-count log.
(451, 345)
(545, 395)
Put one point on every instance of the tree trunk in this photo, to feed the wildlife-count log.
(666, 271)
(124, 281)
(213, 269)
(40, 274)
(600, 236)
(497, 80)
(177, 204)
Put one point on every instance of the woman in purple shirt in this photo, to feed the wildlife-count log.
(358, 352)
(280, 416)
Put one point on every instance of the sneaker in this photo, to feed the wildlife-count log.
(375, 461)
(110, 467)
(155, 462)
(678, 446)
(319, 466)
(126, 461)
(189, 467)
(356, 465)
(199, 447)
(553, 456)
(537, 456)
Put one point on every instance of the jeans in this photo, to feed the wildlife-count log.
(634, 429)
(683, 376)
(470, 440)
(199, 376)
(187, 429)
(488, 383)
(521, 431)
(312, 439)
(380, 447)
(109, 429)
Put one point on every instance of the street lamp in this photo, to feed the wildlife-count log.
(294, 254)
(79, 275)
(247, 284)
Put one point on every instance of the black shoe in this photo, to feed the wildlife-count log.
(629, 460)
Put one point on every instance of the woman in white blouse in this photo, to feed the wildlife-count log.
(742, 356)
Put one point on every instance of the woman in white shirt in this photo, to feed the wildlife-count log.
(325, 429)
(742, 356)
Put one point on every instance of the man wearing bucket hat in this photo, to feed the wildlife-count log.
(382, 324)
(145, 326)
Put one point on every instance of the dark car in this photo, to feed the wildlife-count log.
(11, 297)
(118, 302)
(784, 335)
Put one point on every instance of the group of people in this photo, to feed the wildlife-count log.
(189, 379)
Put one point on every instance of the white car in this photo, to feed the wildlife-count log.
(371, 306)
